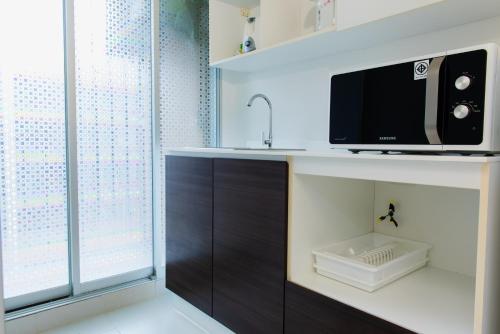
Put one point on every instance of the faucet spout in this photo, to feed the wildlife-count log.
(269, 140)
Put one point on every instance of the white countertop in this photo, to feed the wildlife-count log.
(282, 155)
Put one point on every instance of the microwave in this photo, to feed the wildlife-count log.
(447, 101)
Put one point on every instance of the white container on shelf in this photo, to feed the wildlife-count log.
(370, 261)
(325, 14)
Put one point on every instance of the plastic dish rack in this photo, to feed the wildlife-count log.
(371, 261)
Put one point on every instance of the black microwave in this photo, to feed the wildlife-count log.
(441, 102)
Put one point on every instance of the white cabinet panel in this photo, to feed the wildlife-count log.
(354, 12)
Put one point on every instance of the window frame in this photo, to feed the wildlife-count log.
(40, 296)
(75, 288)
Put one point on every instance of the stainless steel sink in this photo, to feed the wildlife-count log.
(263, 149)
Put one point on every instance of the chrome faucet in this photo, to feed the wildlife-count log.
(269, 140)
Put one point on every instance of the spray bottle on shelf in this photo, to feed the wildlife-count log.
(248, 36)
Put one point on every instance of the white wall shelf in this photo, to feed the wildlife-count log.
(275, 22)
(353, 34)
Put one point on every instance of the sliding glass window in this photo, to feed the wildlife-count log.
(109, 70)
(33, 193)
(113, 106)
(76, 136)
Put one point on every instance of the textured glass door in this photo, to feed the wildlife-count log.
(33, 188)
(114, 133)
(77, 156)
(75, 76)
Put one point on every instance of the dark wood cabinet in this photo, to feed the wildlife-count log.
(226, 232)
(250, 232)
(310, 312)
(189, 208)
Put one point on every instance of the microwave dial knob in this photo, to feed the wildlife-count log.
(461, 111)
(463, 82)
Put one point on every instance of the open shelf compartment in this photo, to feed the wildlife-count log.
(448, 295)
(360, 24)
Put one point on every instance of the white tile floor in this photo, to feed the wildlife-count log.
(163, 315)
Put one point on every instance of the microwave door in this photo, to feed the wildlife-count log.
(383, 106)
(347, 111)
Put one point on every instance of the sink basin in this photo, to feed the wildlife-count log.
(263, 149)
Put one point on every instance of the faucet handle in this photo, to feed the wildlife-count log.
(267, 142)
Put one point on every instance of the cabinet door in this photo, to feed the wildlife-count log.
(309, 312)
(188, 229)
(250, 217)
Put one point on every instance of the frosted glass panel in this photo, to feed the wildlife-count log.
(32, 146)
(187, 84)
(113, 96)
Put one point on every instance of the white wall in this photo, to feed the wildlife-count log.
(432, 214)
(300, 93)
(329, 209)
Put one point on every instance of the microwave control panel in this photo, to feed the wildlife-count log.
(464, 98)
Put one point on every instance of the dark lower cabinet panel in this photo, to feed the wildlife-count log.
(189, 229)
(250, 215)
(310, 312)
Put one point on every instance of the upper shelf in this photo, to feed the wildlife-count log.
(434, 17)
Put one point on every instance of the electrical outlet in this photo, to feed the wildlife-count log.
(245, 12)
(391, 214)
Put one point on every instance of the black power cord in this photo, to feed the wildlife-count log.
(390, 214)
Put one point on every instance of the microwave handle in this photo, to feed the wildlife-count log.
(432, 101)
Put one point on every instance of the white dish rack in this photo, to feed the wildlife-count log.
(370, 261)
